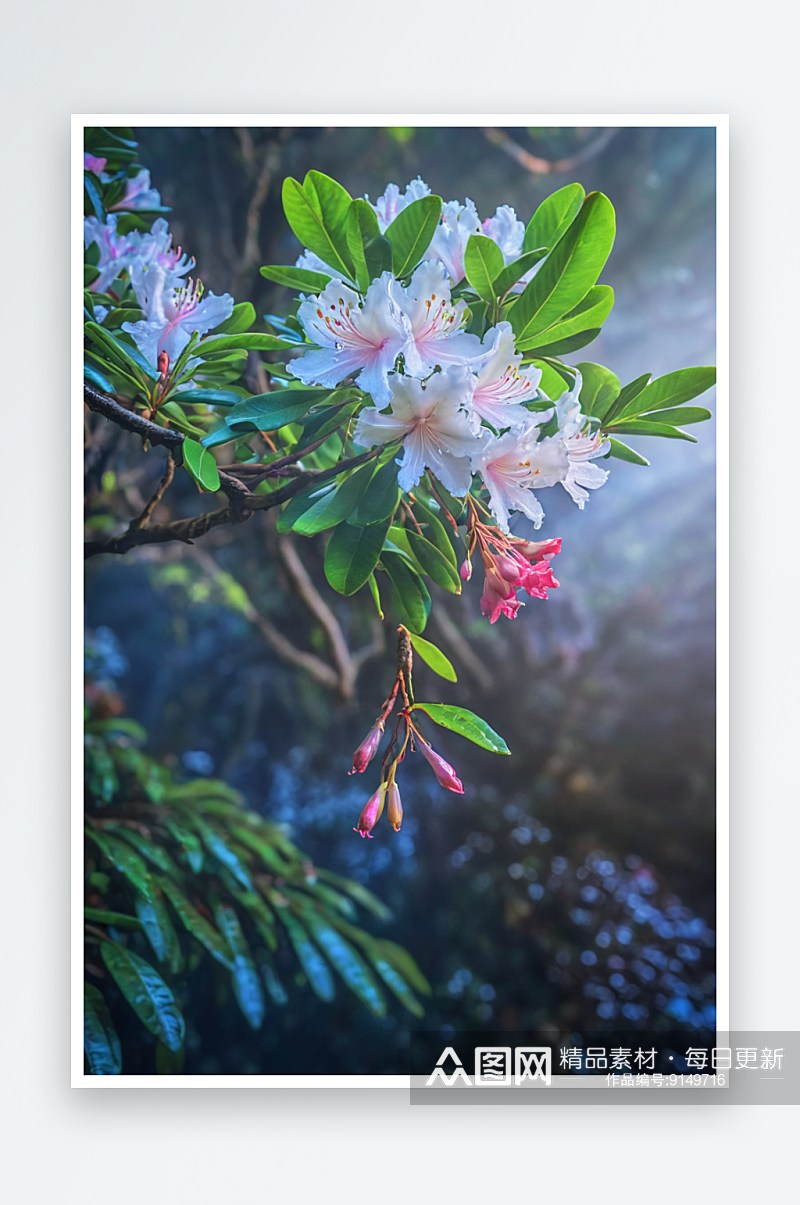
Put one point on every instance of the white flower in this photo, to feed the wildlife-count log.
(392, 202)
(582, 443)
(430, 419)
(507, 231)
(155, 248)
(171, 315)
(514, 465)
(312, 263)
(452, 235)
(139, 194)
(502, 386)
(116, 250)
(355, 337)
(436, 323)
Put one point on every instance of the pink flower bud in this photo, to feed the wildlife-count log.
(163, 364)
(537, 550)
(511, 567)
(371, 813)
(466, 570)
(394, 808)
(367, 749)
(444, 772)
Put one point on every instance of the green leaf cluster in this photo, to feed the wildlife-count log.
(191, 874)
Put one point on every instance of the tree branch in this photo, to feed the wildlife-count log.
(188, 530)
(316, 604)
(101, 403)
(319, 670)
(545, 167)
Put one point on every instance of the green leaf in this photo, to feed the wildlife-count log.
(402, 961)
(120, 920)
(149, 850)
(409, 596)
(433, 657)
(553, 217)
(127, 357)
(671, 390)
(201, 465)
(437, 566)
(97, 378)
(93, 195)
(328, 508)
(380, 498)
(215, 845)
(638, 426)
(242, 318)
(310, 959)
(216, 397)
(568, 272)
(246, 983)
(411, 232)
(599, 389)
(146, 992)
(123, 859)
(296, 278)
(362, 895)
(623, 452)
(627, 394)
(685, 415)
(376, 596)
(252, 342)
(275, 988)
(333, 203)
(160, 930)
(100, 1040)
(347, 962)
(352, 555)
(564, 347)
(90, 273)
(483, 262)
(197, 925)
(588, 316)
(370, 251)
(270, 411)
(303, 215)
(434, 529)
(189, 842)
(513, 272)
(466, 723)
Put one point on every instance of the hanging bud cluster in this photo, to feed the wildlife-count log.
(405, 737)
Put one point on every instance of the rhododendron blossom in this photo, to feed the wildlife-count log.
(356, 338)
(452, 235)
(172, 314)
(431, 419)
(116, 250)
(393, 201)
(436, 322)
(139, 194)
(515, 464)
(502, 385)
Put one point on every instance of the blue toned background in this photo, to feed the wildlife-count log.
(573, 883)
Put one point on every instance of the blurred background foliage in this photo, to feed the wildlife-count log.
(573, 885)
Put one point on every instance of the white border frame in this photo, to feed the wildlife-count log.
(718, 122)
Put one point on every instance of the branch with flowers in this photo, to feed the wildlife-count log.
(422, 402)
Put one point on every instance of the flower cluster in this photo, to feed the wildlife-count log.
(172, 307)
(406, 738)
(463, 406)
